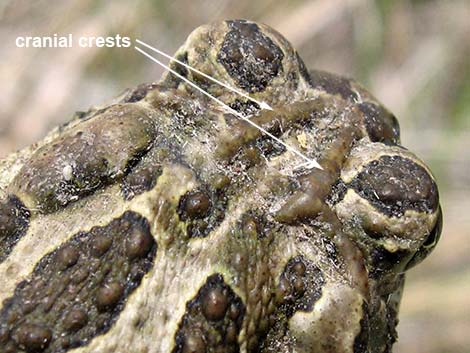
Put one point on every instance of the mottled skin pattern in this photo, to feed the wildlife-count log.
(162, 223)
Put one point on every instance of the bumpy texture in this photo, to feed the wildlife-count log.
(162, 223)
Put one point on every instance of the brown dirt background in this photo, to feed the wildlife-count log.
(413, 55)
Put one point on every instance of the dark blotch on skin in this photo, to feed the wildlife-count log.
(202, 210)
(381, 125)
(332, 84)
(14, 222)
(77, 291)
(141, 180)
(300, 286)
(394, 184)
(145, 172)
(212, 321)
(249, 56)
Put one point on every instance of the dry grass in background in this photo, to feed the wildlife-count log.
(413, 55)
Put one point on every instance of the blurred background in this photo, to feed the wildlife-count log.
(413, 55)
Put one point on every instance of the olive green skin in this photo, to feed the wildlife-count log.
(162, 223)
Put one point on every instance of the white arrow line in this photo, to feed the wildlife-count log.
(311, 163)
(263, 105)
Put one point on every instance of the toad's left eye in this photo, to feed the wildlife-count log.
(391, 198)
(245, 55)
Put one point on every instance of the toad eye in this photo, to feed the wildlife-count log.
(246, 56)
(393, 201)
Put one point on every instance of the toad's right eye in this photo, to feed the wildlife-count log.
(392, 200)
